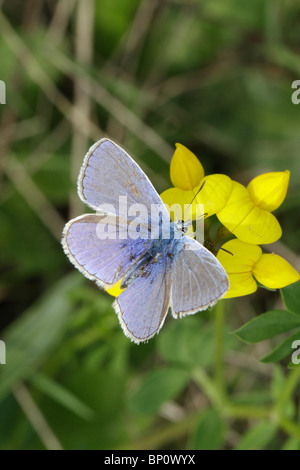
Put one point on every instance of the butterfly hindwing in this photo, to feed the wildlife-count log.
(198, 279)
(143, 306)
(160, 272)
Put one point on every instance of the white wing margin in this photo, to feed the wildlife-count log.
(198, 279)
(108, 172)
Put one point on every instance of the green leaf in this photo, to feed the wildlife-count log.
(277, 385)
(251, 397)
(182, 342)
(209, 433)
(189, 342)
(291, 365)
(31, 338)
(158, 386)
(257, 437)
(62, 396)
(282, 350)
(267, 325)
(104, 392)
(291, 297)
(292, 443)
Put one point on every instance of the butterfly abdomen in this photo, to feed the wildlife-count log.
(158, 249)
(136, 270)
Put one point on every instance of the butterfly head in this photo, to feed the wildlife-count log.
(182, 225)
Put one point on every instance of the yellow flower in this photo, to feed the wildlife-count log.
(187, 175)
(185, 169)
(248, 264)
(115, 290)
(247, 213)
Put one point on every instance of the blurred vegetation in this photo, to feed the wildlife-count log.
(214, 75)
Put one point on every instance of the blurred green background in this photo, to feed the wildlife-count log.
(214, 75)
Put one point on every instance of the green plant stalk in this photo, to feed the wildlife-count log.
(215, 391)
(171, 432)
(164, 434)
(290, 384)
(209, 387)
(291, 428)
(248, 411)
(219, 348)
(217, 399)
(228, 410)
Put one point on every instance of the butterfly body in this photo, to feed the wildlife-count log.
(157, 263)
(160, 248)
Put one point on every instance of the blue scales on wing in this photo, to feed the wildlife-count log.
(103, 260)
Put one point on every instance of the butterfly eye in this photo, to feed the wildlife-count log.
(183, 226)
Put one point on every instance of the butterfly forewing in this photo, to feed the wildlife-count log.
(103, 260)
(108, 172)
(183, 274)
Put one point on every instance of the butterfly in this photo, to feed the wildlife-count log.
(167, 271)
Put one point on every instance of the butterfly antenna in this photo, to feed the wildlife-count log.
(193, 199)
(219, 247)
(201, 216)
(177, 210)
(227, 251)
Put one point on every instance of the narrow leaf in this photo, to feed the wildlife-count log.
(62, 396)
(257, 437)
(159, 386)
(282, 350)
(37, 332)
(267, 325)
(209, 433)
(291, 297)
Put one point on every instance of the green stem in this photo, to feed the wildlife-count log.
(219, 347)
(288, 389)
(247, 412)
(171, 432)
(291, 428)
(209, 388)
(164, 434)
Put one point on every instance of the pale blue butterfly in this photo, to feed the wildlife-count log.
(176, 272)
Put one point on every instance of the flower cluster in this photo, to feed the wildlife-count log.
(242, 218)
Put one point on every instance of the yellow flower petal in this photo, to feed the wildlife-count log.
(240, 284)
(185, 170)
(214, 194)
(268, 190)
(237, 207)
(115, 290)
(274, 272)
(174, 196)
(247, 222)
(243, 258)
(239, 266)
(259, 227)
